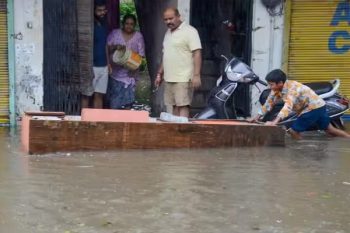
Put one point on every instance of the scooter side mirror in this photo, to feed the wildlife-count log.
(225, 58)
(223, 67)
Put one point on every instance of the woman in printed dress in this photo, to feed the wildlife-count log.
(122, 82)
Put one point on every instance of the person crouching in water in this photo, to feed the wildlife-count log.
(311, 108)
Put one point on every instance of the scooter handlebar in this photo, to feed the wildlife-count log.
(262, 82)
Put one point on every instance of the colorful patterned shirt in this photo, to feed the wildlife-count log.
(297, 98)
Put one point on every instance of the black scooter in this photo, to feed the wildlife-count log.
(220, 104)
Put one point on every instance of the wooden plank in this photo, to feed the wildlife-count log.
(52, 136)
(40, 113)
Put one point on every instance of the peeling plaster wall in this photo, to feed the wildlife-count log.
(28, 17)
(267, 49)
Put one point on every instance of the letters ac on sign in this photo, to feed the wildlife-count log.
(339, 41)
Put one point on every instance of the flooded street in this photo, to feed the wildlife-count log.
(303, 187)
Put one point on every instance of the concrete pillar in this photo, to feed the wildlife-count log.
(267, 39)
(184, 7)
(28, 26)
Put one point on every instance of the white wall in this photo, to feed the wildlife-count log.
(28, 20)
(267, 45)
(184, 9)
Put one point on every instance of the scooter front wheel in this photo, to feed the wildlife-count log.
(207, 113)
(338, 123)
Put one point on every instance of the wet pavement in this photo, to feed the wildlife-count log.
(304, 187)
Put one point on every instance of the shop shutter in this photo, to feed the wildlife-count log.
(4, 77)
(319, 46)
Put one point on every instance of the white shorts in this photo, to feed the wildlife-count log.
(100, 80)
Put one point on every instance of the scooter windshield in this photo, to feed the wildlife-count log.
(237, 71)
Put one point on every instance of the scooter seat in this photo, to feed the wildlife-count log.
(320, 87)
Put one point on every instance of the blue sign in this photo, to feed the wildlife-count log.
(342, 14)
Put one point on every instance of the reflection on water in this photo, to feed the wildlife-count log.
(303, 187)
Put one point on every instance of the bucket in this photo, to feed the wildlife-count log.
(127, 58)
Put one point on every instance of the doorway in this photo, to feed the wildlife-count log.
(68, 43)
(68, 50)
(61, 57)
(225, 28)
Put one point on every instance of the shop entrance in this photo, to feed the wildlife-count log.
(225, 29)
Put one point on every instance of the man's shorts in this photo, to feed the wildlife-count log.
(98, 84)
(317, 117)
(100, 80)
(178, 94)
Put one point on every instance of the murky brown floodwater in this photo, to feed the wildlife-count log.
(304, 187)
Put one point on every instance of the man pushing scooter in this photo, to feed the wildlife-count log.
(298, 98)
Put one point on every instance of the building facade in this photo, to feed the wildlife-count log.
(308, 39)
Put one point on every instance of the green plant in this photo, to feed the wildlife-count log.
(143, 66)
(127, 8)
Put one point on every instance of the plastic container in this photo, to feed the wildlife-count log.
(127, 58)
(164, 116)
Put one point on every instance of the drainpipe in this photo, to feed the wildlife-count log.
(11, 61)
(272, 42)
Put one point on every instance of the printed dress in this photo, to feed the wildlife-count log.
(121, 86)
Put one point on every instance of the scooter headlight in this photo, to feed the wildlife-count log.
(233, 76)
(245, 79)
(238, 77)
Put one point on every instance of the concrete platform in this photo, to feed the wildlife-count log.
(45, 133)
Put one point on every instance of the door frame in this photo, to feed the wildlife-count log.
(11, 62)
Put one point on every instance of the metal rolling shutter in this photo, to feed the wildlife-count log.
(4, 77)
(310, 58)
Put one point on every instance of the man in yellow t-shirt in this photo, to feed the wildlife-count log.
(181, 63)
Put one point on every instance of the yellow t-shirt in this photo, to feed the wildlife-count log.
(177, 53)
